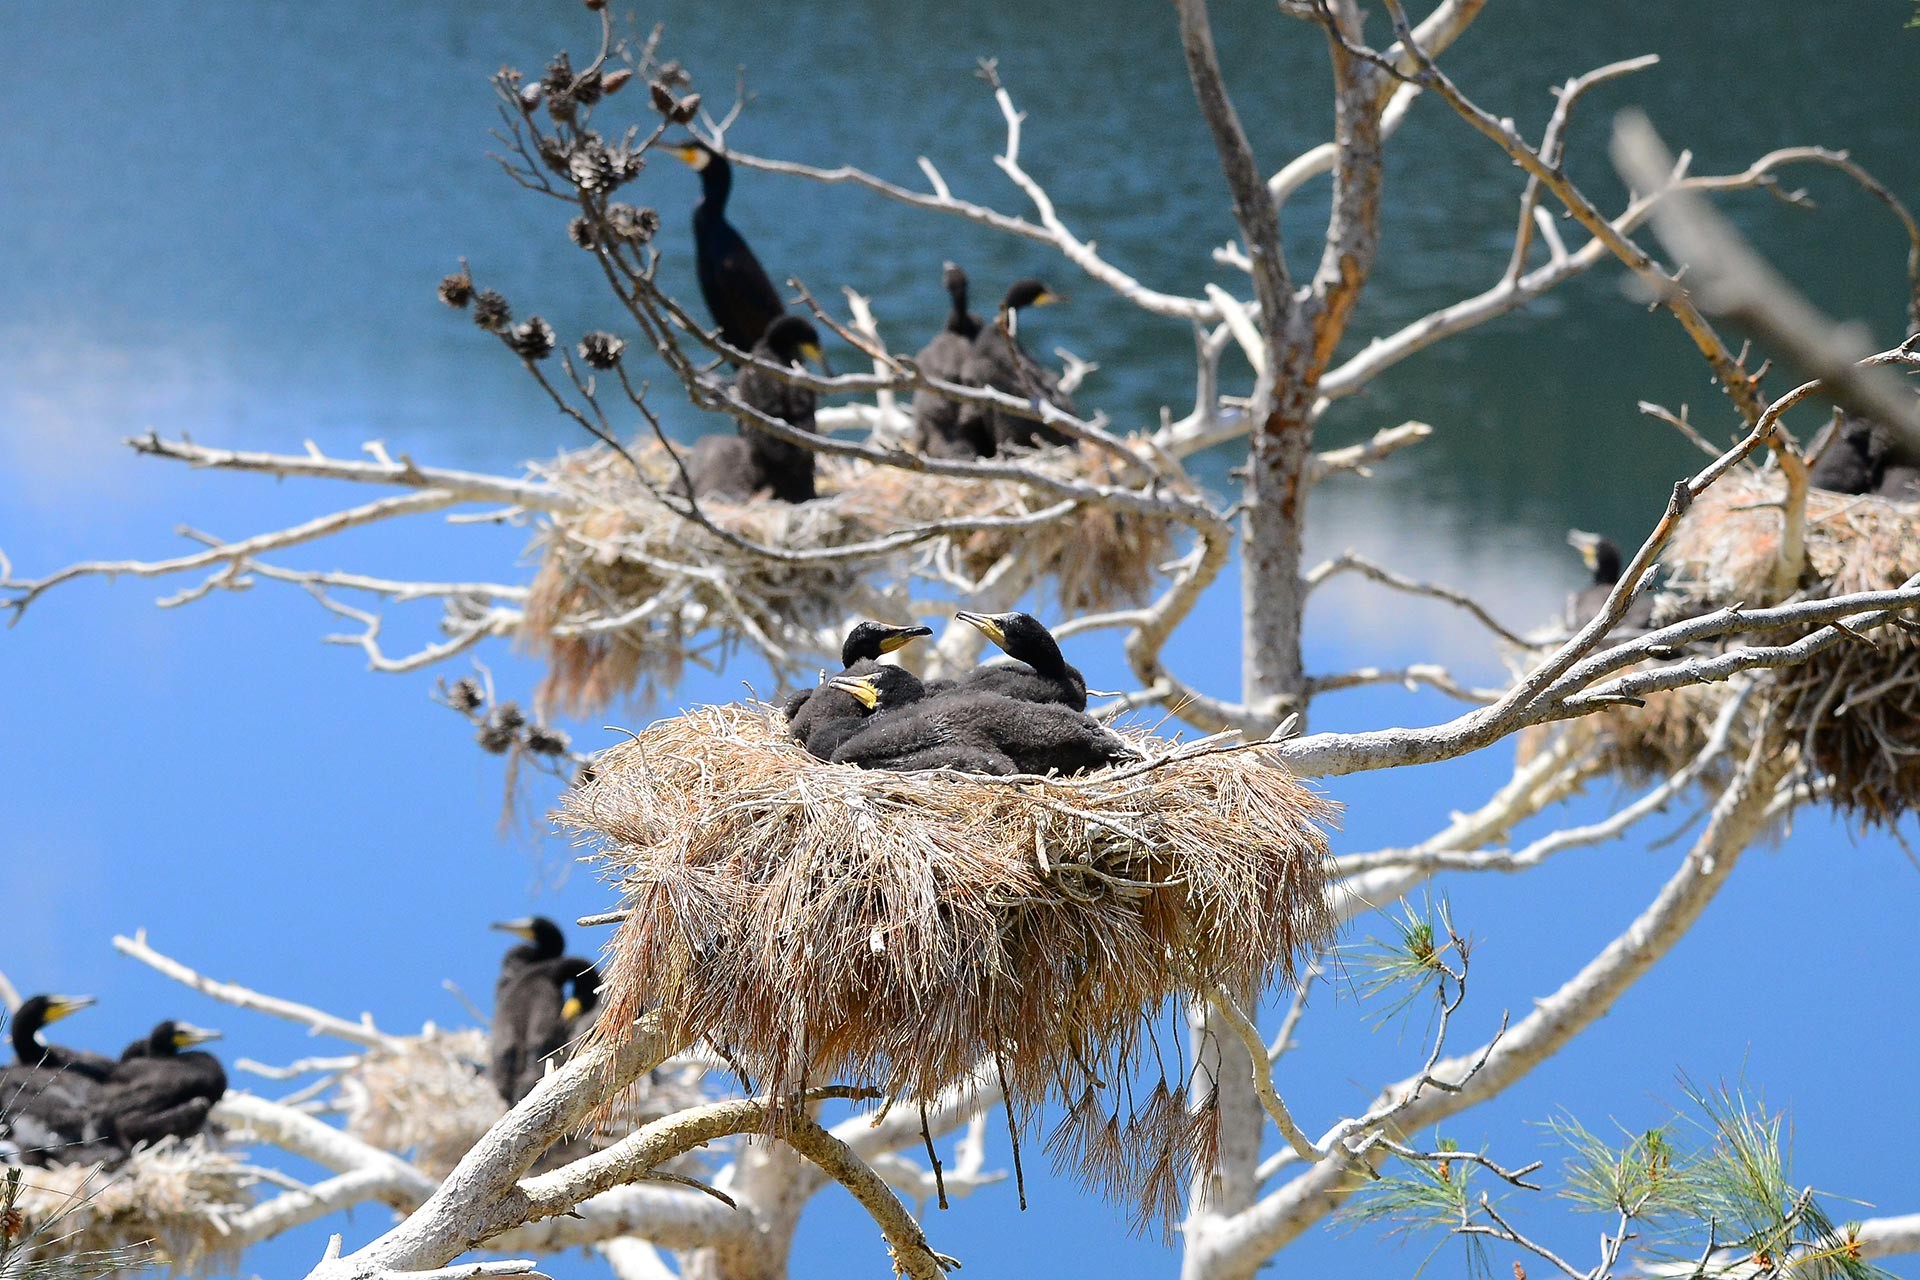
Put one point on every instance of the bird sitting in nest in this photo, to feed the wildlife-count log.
(534, 1016)
(971, 732)
(998, 360)
(1040, 672)
(162, 1087)
(47, 1096)
(1603, 558)
(821, 719)
(741, 467)
(937, 429)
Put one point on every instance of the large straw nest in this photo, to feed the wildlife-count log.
(169, 1204)
(429, 1099)
(1853, 709)
(818, 921)
(626, 585)
(1641, 745)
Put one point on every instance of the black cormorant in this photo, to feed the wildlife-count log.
(1852, 460)
(859, 654)
(1603, 557)
(998, 360)
(30, 1051)
(936, 419)
(166, 1092)
(49, 1116)
(738, 467)
(530, 1005)
(971, 732)
(1042, 674)
(738, 293)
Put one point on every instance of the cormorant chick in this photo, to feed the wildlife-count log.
(30, 1051)
(165, 1093)
(738, 293)
(739, 467)
(936, 419)
(971, 732)
(1603, 558)
(530, 1006)
(1042, 674)
(998, 360)
(47, 1117)
(1852, 460)
(814, 709)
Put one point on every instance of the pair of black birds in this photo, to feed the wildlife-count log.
(543, 1001)
(1863, 457)
(60, 1105)
(750, 316)
(1028, 716)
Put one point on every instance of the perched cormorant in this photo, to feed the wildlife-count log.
(1042, 673)
(936, 419)
(165, 1092)
(1852, 460)
(738, 293)
(998, 360)
(814, 708)
(530, 1006)
(738, 467)
(1603, 557)
(30, 1051)
(971, 732)
(50, 1116)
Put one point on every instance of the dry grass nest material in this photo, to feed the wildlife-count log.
(1641, 745)
(821, 922)
(430, 1100)
(169, 1204)
(1853, 709)
(626, 585)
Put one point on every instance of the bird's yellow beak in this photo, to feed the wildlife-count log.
(694, 157)
(986, 625)
(811, 351)
(518, 928)
(186, 1035)
(1047, 298)
(1587, 544)
(862, 687)
(903, 637)
(59, 1007)
(571, 1009)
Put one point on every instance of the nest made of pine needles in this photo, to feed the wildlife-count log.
(429, 1099)
(627, 589)
(168, 1205)
(821, 922)
(1853, 709)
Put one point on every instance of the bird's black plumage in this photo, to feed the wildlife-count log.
(817, 709)
(998, 360)
(971, 732)
(742, 466)
(165, 1092)
(739, 295)
(1852, 460)
(1041, 674)
(30, 1051)
(1603, 558)
(531, 1015)
(937, 429)
(48, 1116)
(1899, 481)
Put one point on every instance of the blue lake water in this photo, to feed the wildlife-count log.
(227, 219)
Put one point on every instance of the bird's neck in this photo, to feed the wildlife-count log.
(26, 1041)
(1046, 658)
(716, 184)
(959, 321)
(1606, 566)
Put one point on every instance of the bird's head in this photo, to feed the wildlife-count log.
(793, 339)
(953, 278)
(881, 690)
(171, 1037)
(1598, 553)
(51, 1008)
(1016, 633)
(1028, 293)
(693, 153)
(543, 933)
(871, 639)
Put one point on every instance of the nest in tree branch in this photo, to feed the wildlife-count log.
(820, 922)
(1642, 745)
(169, 1204)
(626, 587)
(430, 1100)
(1852, 709)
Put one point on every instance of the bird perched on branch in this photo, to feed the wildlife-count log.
(998, 360)
(742, 466)
(741, 298)
(162, 1087)
(970, 732)
(833, 713)
(1603, 558)
(1041, 674)
(533, 1012)
(936, 419)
